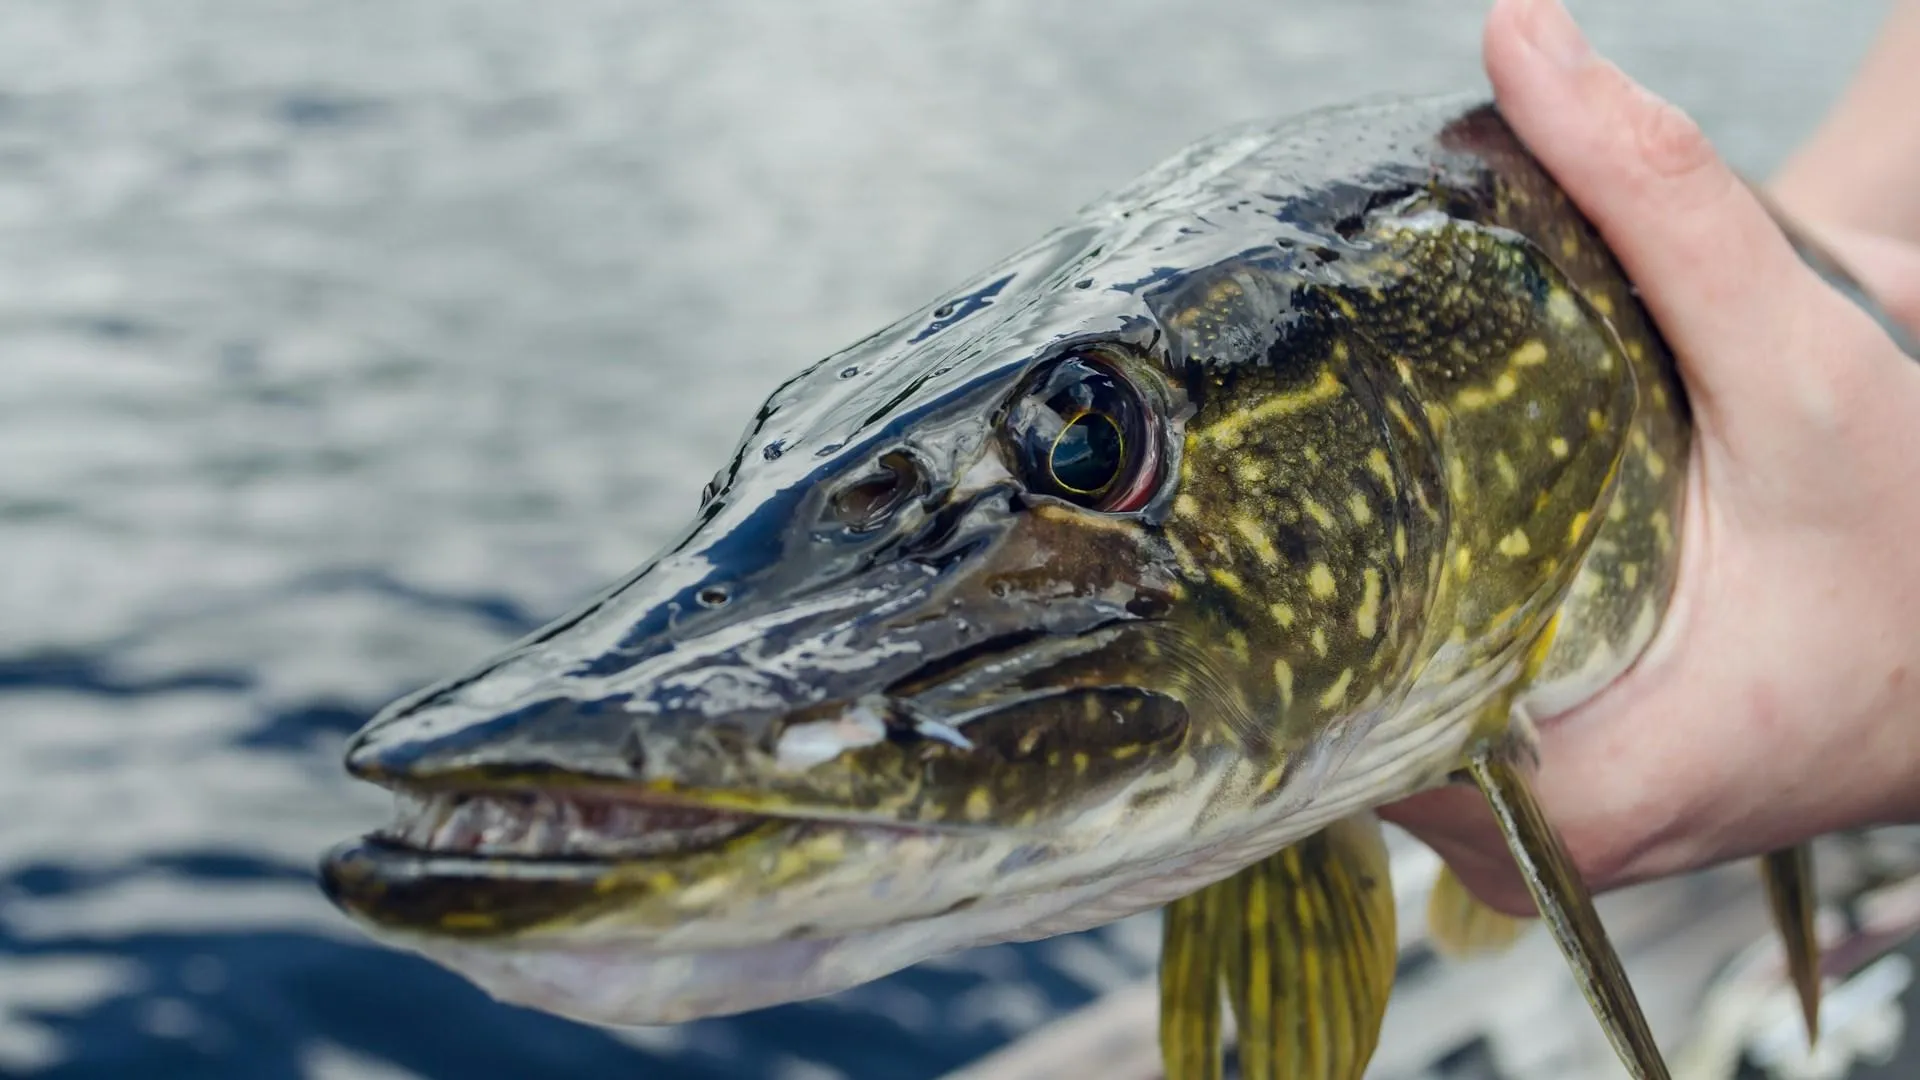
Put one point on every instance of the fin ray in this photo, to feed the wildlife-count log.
(1310, 976)
(1190, 987)
(1566, 907)
(1790, 893)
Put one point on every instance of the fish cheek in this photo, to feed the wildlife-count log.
(1045, 758)
(1292, 530)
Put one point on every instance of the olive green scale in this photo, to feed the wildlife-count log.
(1464, 465)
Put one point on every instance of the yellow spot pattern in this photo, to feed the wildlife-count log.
(1367, 618)
(1283, 678)
(1229, 429)
(1236, 641)
(1357, 506)
(1337, 693)
(1561, 308)
(1257, 539)
(1320, 514)
(1377, 462)
(1508, 474)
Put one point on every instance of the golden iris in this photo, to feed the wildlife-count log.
(1087, 454)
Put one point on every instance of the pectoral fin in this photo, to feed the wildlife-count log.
(1566, 906)
(1461, 926)
(1309, 946)
(1303, 942)
(1790, 890)
(1190, 981)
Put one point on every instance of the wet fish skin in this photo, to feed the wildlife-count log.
(1408, 448)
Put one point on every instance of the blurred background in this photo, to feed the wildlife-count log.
(343, 341)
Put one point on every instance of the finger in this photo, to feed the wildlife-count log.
(1887, 267)
(1456, 824)
(1717, 274)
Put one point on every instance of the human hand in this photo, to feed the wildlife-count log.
(1887, 266)
(1781, 698)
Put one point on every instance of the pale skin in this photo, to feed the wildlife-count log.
(1781, 700)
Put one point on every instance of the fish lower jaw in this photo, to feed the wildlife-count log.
(627, 984)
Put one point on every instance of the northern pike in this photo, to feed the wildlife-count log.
(1305, 473)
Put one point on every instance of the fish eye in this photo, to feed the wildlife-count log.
(1081, 432)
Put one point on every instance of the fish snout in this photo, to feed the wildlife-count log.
(455, 743)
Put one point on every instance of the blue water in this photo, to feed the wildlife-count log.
(342, 341)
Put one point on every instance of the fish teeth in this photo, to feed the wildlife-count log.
(504, 825)
(541, 825)
(547, 829)
(461, 829)
(416, 818)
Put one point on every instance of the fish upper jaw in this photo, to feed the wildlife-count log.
(842, 762)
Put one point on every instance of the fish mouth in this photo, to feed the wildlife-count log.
(506, 863)
(542, 826)
(966, 755)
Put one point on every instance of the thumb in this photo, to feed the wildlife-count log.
(1721, 280)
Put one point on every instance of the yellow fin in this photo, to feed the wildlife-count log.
(1461, 926)
(1790, 892)
(1308, 943)
(1190, 974)
(1565, 905)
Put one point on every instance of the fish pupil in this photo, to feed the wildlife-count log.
(1086, 457)
(1080, 430)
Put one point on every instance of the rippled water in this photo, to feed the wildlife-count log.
(341, 341)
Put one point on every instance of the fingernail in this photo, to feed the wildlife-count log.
(1555, 35)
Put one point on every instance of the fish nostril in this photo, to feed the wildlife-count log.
(633, 750)
(870, 501)
(714, 596)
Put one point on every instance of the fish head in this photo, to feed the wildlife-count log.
(972, 633)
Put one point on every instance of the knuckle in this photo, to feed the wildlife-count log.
(1670, 143)
(1665, 155)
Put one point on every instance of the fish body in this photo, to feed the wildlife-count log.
(1261, 494)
